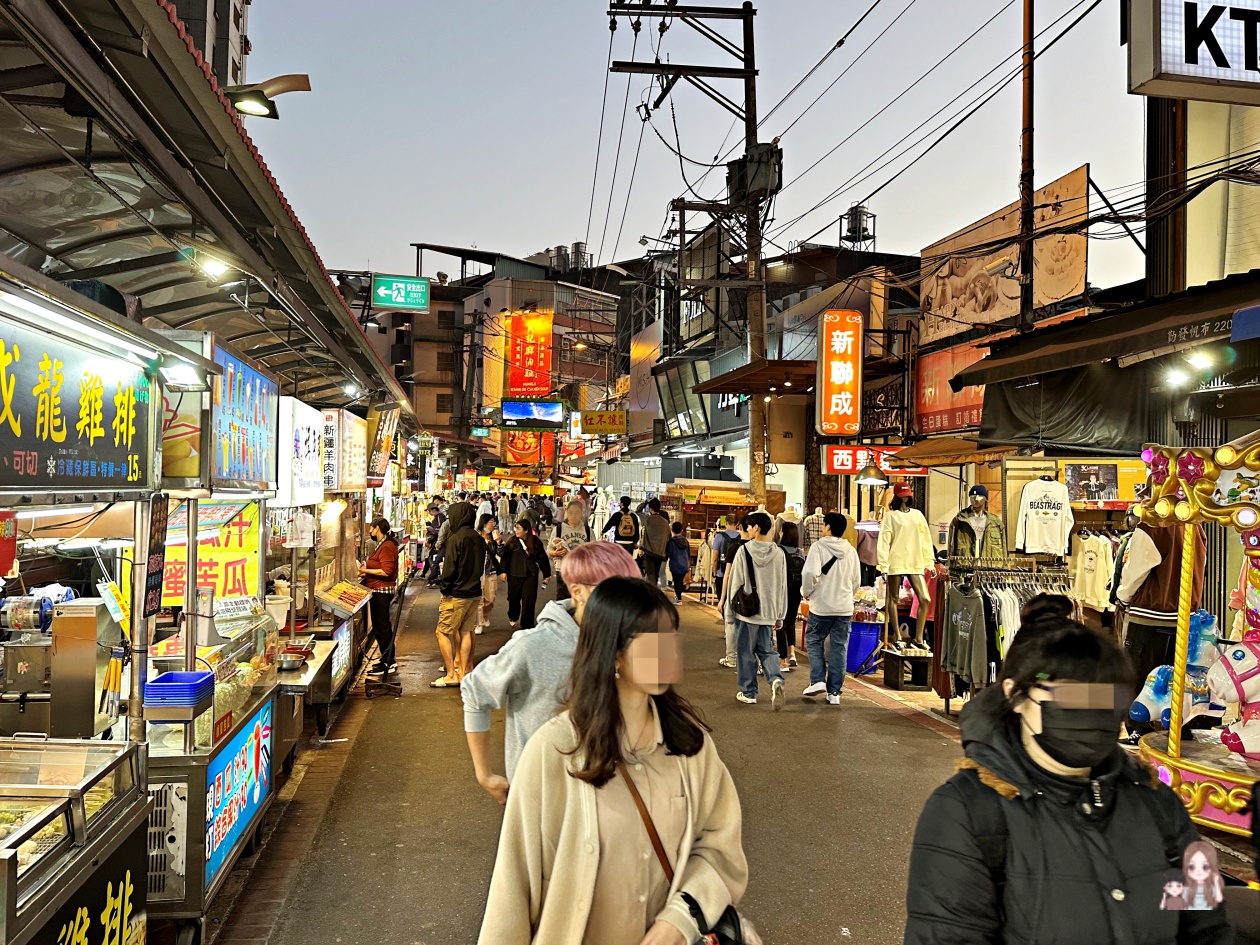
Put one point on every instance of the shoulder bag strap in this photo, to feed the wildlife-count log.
(750, 568)
(647, 822)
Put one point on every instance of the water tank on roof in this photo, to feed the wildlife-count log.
(579, 256)
(560, 259)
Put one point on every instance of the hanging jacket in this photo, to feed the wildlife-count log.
(905, 543)
(962, 537)
(1151, 582)
(1082, 860)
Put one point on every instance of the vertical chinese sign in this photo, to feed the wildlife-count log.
(155, 564)
(838, 396)
(383, 435)
(529, 354)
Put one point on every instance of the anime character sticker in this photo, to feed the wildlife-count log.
(1204, 887)
(1174, 897)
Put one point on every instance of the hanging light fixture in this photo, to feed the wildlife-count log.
(871, 476)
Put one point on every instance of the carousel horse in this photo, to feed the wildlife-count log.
(1235, 679)
(1154, 702)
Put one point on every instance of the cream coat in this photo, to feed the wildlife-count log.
(544, 875)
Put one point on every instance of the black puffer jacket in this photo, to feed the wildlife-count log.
(1084, 860)
(464, 560)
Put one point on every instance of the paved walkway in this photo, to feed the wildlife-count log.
(388, 840)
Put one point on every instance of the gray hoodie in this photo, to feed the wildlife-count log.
(526, 677)
(771, 576)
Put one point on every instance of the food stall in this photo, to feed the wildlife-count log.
(211, 776)
(702, 505)
(79, 398)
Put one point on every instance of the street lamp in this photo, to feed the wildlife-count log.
(256, 98)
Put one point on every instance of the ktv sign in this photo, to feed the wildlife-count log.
(1195, 50)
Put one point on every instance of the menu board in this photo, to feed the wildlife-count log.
(244, 412)
(71, 417)
(382, 445)
(301, 475)
(345, 452)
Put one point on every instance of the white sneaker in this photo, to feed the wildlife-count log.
(833, 698)
(477, 630)
(747, 700)
(729, 664)
(777, 696)
(815, 689)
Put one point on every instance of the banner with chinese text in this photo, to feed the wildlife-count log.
(850, 460)
(595, 422)
(384, 426)
(937, 409)
(839, 397)
(345, 452)
(72, 417)
(300, 479)
(227, 551)
(529, 354)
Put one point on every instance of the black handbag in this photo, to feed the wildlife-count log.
(729, 928)
(747, 603)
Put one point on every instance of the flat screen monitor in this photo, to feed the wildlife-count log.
(533, 414)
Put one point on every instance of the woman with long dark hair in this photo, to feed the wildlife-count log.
(1050, 832)
(522, 559)
(785, 636)
(576, 864)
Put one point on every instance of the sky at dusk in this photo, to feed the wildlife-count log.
(475, 123)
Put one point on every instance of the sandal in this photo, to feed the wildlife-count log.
(444, 682)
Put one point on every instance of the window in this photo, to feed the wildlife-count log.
(446, 319)
(445, 403)
(446, 361)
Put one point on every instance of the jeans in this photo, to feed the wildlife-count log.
(816, 631)
(382, 627)
(753, 643)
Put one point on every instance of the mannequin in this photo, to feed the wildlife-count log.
(975, 532)
(811, 528)
(905, 551)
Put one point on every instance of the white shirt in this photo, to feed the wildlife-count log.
(485, 508)
(1045, 518)
(831, 594)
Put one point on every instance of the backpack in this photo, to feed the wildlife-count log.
(628, 526)
(795, 565)
(730, 549)
(512, 506)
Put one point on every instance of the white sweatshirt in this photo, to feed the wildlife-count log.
(905, 543)
(831, 594)
(1045, 518)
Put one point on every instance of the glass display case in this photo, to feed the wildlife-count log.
(62, 802)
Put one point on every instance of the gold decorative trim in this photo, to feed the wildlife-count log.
(1205, 790)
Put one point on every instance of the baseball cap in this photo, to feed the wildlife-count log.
(903, 490)
(978, 490)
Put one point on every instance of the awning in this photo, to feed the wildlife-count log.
(947, 451)
(1197, 316)
(758, 376)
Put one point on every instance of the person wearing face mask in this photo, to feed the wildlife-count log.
(975, 532)
(1049, 831)
(577, 862)
(527, 675)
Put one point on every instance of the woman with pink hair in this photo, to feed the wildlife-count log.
(528, 674)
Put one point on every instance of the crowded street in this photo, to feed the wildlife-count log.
(629, 473)
(827, 851)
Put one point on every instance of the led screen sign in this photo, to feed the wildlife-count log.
(533, 414)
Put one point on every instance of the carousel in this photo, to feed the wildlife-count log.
(1214, 773)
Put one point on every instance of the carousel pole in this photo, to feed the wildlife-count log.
(1181, 653)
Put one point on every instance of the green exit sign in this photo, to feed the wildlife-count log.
(480, 431)
(401, 292)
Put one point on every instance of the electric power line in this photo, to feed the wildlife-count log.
(599, 141)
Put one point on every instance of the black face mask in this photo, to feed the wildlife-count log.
(1078, 738)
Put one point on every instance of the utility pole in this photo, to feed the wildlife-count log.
(747, 204)
(1026, 186)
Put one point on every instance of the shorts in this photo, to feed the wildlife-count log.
(457, 615)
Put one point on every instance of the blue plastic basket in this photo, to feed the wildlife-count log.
(863, 641)
(179, 688)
